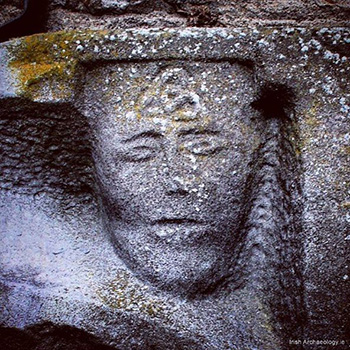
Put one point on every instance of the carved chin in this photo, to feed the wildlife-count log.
(188, 276)
(185, 270)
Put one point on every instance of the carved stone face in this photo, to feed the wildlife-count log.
(172, 158)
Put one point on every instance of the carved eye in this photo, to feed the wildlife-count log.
(203, 146)
(138, 154)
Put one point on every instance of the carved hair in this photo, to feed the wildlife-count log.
(272, 251)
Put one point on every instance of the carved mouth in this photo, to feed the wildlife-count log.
(177, 221)
(178, 229)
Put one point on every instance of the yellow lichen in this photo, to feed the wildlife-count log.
(346, 150)
(346, 205)
(32, 73)
(46, 60)
(121, 293)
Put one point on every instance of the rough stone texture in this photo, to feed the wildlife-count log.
(10, 10)
(114, 14)
(99, 14)
(176, 188)
(58, 263)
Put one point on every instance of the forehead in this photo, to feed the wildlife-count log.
(165, 96)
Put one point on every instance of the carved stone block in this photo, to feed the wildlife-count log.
(175, 189)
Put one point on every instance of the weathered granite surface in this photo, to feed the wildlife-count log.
(127, 13)
(175, 189)
(114, 14)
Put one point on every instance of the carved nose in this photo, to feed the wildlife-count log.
(175, 185)
(172, 175)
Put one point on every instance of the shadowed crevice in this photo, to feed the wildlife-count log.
(48, 336)
(275, 101)
(31, 21)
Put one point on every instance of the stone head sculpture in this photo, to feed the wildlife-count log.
(174, 147)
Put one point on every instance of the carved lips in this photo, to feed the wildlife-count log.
(179, 228)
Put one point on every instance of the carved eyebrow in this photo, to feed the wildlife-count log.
(198, 131)
(144, 134)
